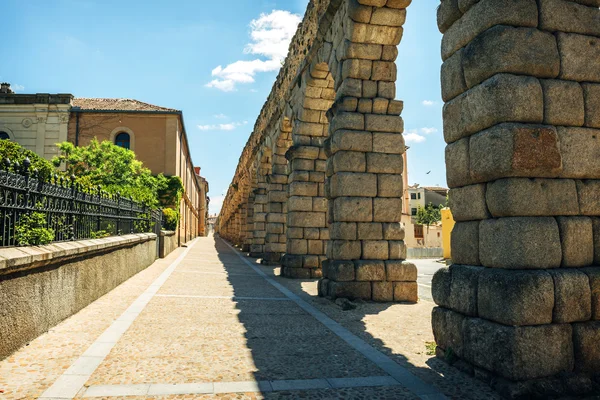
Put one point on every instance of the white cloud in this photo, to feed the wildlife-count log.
(17, 87)
(411, 136)
(220, 116)
(215, 204)
(225, 85)
(428, 103)
(428, 131)
(221, 127)
(271, 35)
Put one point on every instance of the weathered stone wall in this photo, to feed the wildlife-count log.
(307, 230)
(521, 304)
(344, 161)
(41, 286)
(273, 109)
(261, 201)
(364, 165)
(277, 197)
(167, 243)
(249, 232)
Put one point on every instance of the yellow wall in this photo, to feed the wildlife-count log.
(447, 226)
(432, 237)
(148, 135)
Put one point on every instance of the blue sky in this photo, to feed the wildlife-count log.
(186, 54)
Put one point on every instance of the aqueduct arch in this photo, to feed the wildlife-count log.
(520, 307)
(343, 198)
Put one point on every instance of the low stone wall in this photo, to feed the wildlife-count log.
(167, 243)
(424, 252)
(42, 285)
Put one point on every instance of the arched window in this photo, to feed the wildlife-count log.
(123, 140)
(4, 136)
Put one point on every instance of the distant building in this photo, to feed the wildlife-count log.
(212, 220)
(156, 134)
(421, 196)
(420, 236)
(203, 212)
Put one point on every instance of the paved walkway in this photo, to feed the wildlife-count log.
(208, 323)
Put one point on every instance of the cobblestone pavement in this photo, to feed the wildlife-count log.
(206, 323)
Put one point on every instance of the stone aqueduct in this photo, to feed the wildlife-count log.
(319, 184)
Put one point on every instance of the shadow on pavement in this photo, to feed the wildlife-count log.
(287, 343)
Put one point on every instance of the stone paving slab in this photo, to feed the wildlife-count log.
(236, 387)
(31, 370)
(197, 284)
(175, 341)
(400, 331)
(357, 393)
(178, 339)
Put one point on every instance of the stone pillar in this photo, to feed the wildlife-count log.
(260, 204)
(243, 221)
(249, 239)
(225, 230)
(520, 305)
(307, 230)
(232, 228)
(238, 226)
(276, 238)
(260, 216)
(366, 252)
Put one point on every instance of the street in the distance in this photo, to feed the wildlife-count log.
(426, 268)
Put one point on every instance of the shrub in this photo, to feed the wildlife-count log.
(170, 195)
(31, 230)
(15, 153)
(171, 219)
(99, 234)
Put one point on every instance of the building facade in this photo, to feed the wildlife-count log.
(422, 196)
(35, 121)
(203, 212)
(156, 134)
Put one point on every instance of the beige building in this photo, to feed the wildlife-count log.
(35, 121)
(158, 138)
(204, 188)
(421, 196)
(421, 241)
(156, 134)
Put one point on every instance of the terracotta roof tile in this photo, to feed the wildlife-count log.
(117, 105)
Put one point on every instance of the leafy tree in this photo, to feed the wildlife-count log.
(171, 192)
(114, 168)
(429, 215)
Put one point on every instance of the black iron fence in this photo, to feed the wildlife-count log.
(35, 210)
